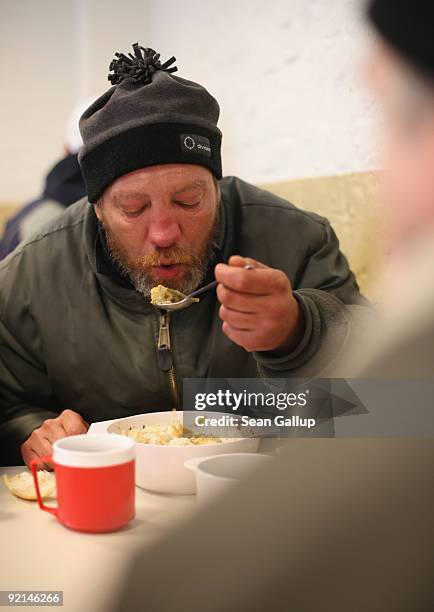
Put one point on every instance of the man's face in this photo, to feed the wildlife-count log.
(160, 224)
(408, 141)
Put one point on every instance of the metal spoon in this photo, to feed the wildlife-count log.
(188, 299)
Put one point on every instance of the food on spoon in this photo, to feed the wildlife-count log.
(22, 484)
(163, 295)
(174, 434)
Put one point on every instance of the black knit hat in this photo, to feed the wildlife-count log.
(147, 118)
(409, 27)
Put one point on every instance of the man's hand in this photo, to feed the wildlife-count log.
(257, 308)
(39, 443)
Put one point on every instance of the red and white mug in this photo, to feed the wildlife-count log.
(95, 481)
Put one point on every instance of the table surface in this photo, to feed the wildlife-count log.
(38, 553)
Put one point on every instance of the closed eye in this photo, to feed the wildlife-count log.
(133, 213)
(187, 204)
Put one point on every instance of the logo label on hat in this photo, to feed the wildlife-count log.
(199, 145)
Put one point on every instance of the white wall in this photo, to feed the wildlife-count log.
(53, 54)
(38, 81)
(286, 74)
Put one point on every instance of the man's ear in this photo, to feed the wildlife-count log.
(97, 208)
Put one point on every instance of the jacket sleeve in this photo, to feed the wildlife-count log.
(26, 398)
(334, 311)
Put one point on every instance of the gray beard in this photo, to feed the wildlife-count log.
(143, 283)
(192, 279)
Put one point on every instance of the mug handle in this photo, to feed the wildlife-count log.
(33, 464)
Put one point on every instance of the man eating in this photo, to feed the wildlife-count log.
(80, 340)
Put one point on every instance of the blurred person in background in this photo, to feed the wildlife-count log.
(64, 185)
(401, 74)
(338, 525)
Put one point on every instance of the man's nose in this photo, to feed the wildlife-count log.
(164, 230)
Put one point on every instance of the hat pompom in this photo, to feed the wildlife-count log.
(139, 67)
(144, 120)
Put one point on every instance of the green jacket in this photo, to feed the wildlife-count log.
(71, 336)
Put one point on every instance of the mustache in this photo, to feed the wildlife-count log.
(169, 255)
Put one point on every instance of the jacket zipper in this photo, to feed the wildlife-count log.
(165, 357)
